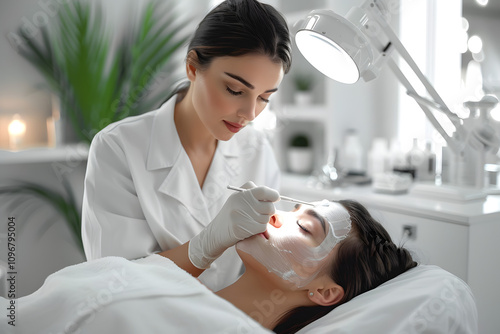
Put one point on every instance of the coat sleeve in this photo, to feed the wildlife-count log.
(113, 222)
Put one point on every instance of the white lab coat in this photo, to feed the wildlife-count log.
(114, 295)
(142, 196)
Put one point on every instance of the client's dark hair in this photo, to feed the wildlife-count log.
(240, 27)
(364, 260)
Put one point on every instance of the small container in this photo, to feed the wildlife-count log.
(351, 158)
(397, 158)
(416, 160)
(378, 157)
(428, 170)
(300, 155)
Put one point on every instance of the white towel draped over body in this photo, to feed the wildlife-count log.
(115, 295)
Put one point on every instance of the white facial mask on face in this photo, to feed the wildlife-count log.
(289, 253)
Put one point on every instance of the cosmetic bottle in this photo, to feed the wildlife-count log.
(416, 160)
(428, 168)
(378, 158)
(351, 158)
(397, 158)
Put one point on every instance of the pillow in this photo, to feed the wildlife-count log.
(425, 299)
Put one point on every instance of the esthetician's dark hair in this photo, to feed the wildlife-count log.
(364, 260)
(240, 27)
(236, 28)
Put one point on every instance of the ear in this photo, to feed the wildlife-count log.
(191, 65)
(326, 296)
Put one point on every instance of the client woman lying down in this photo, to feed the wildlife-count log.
(307, 262)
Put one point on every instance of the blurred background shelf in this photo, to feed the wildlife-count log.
(73, 152)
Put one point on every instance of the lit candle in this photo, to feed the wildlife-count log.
(17, 129)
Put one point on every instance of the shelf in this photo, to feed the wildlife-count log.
(468, 213)
(73, 152)
(315, 112)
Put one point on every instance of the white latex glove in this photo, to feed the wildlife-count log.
(244, 214)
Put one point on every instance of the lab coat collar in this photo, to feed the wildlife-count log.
(164, 134)
(230, 148)
(181, 183)
(166, 151)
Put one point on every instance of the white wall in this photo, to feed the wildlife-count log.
(18, 79)
(486, 25)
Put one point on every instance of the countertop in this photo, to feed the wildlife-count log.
(70, 153)
(459, 212)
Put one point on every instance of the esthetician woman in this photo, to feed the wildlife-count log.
(156, 180)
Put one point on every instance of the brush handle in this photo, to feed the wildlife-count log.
(283, 198)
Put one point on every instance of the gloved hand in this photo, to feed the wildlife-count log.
(244, 214)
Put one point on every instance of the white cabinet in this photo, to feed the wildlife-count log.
(461, 238)
(436, 242)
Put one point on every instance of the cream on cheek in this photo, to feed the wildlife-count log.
(288, 237)
(296, 255)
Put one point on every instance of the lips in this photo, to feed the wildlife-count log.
(265, 235)
(233, 127)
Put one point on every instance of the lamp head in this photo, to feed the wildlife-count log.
(334, 46)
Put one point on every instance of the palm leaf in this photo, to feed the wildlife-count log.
(65, 205)
(154, 45)
(96, 84)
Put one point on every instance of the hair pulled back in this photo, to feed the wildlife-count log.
(240, 27)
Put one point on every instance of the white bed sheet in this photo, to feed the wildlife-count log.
(153, 295)
(114, 295)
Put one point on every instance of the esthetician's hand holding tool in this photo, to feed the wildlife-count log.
(244, 214)
(282, 198)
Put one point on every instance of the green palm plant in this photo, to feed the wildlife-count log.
(97, 84)
(64, 204)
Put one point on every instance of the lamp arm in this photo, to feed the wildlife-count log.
(457, 121)
(438, 102)
(452, 143)
(431, 104)
(423, 79)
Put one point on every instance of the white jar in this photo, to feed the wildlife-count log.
(351, 158)
(378, 157)
(300, 160)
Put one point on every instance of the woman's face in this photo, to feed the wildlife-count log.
(286, 248)
(301, 227)
(232, 91)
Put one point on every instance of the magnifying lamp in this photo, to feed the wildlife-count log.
(358, 46)
(327, 41)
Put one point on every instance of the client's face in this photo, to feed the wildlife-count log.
(301, 228)
(296, 245)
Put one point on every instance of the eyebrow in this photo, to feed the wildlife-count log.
(318, 217)
(246, 83)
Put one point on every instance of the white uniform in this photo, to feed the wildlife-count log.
(114, 295)
(142, 195)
